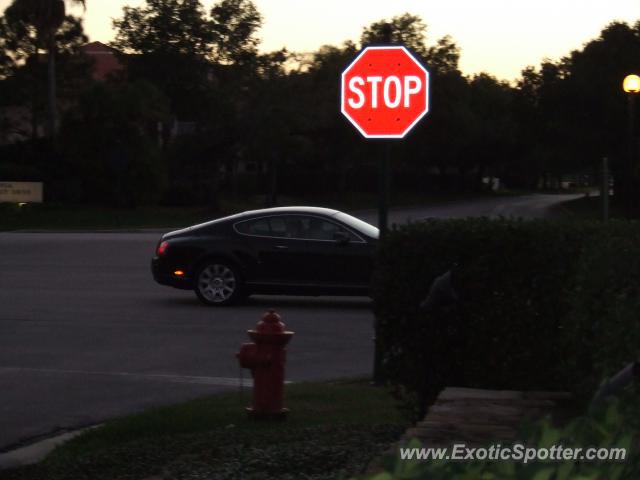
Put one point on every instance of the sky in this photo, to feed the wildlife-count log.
(499, 37)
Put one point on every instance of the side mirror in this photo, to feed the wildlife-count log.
(341, 238)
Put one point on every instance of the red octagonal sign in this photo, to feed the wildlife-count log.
(385, 92)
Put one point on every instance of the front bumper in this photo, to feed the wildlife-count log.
(163, 274)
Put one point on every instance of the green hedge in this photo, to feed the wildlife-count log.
(543, 305)
(603, 327)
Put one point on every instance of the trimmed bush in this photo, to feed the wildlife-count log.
(542, 304)
(603, 325)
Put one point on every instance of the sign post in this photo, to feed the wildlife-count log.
(384, 94)
(384, 188)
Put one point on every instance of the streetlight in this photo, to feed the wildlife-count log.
(631, 85)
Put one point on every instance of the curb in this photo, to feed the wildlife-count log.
(36, 452)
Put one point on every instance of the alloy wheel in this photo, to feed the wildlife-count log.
(217, 283)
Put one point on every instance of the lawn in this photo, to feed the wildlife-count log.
(334, 430)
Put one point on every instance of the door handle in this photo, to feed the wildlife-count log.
(281, 247)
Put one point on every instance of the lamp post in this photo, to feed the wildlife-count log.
(631, 85)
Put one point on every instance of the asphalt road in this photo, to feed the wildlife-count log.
(86, 335)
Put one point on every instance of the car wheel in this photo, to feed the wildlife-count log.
(218, 283)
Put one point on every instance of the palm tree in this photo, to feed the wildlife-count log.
(46, 16)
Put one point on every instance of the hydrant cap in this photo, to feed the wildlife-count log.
(270, 323)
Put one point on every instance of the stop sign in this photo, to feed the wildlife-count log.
(385, 92)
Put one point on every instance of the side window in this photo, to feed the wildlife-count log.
(293, 226)
(255, 227)
(323, 230)
(278, 227)
(297, 226)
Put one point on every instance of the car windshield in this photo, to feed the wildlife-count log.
(357, 224)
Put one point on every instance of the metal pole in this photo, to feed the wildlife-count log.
(384, 187)
(604, 190)
(631, 151)
(383, 214)
(383, 210)
(383, 220)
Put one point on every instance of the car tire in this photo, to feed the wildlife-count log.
(218, 283)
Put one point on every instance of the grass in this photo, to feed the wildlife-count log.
(333, 431)
(52, 216)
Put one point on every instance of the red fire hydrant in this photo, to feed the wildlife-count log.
(266, 358)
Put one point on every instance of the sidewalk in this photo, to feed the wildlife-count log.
(30, 454)
(480, 417)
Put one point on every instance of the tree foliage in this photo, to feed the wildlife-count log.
(277, 112)
(571, 113)
(235, 23)
(47, 17)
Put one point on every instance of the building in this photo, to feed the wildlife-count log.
(105, 60)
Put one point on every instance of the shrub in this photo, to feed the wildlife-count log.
(602, 324)
(529, 295)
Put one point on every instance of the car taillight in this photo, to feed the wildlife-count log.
(162, 248)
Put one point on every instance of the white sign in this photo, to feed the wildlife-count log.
(21, 192)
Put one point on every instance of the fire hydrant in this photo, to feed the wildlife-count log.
(266, 359)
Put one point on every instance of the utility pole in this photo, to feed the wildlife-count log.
(604, 190)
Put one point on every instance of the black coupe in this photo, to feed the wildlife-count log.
(287, 250)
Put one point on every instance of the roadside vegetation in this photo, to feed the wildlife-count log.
(334, 430)
(542, 305)
(194, 113)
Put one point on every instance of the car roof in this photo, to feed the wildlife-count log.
(267, 211)
(293, 209)
(250, 214)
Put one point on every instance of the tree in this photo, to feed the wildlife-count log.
(490, 137)
(46, 16)
(235, 23)
(110, 146)
(208, 66)
(411, 31)
(18, 44)
(169, 26)
(171, 40)
(408, 30)
(333, 155)
(178, 45)
(573, 112)
(24, 71)
(443, 57)
(595, 105)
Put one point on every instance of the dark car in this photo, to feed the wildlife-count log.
(287, 250)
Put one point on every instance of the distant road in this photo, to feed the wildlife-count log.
(524, 206)
(85, 333)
